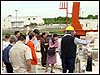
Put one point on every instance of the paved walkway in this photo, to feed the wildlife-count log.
(58, 68)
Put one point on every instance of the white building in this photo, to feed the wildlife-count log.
(89, 24)
(10, 22)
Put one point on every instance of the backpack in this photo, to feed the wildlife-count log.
(5, 54)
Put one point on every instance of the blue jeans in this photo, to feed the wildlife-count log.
(68, 64)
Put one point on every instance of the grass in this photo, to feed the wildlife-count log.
(53, 30)
(49, 30)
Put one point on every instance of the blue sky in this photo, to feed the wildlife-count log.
(45, 8)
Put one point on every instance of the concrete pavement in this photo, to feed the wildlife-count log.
(58, 67)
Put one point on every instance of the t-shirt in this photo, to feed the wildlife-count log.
(5, 44)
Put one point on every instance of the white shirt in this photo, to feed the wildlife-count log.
(27, 39)
(76, 41)
(79, 41)
(35, 41)
(5, 44)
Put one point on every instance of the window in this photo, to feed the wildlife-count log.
(28, 18)
(86, 25)
(33, 18)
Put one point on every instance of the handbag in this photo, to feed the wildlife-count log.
(51, 51)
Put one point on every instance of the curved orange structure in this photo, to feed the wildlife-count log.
(75, 18)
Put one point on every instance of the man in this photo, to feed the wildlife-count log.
(6, 42)
(17, 34)
(44, 47)
(20, 56)
(36, 34)
(68, 49)
(6, 61)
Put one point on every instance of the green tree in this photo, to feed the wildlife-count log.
(90, 17)
(96, 16)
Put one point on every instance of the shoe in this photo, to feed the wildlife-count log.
(52, 72)
(43, 65)
(46, 72)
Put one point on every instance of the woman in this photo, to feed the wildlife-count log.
(31, 45)
(53, 43)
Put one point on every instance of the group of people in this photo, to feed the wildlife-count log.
(19, 52)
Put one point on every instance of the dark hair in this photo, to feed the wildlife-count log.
(16, 32)
(31, 35)
(43, 34)
(69, 31)
(36, 31)
(22, 37)
(21, 33)
(7, 35)
(12, 39)
(55, 35)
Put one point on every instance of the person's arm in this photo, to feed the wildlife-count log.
(28, 56)
(28, 62)
(56, 44)
(50, 44)
(84, 42)
(59, 46)
(27, 39)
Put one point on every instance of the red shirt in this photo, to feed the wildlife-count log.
(31, 45)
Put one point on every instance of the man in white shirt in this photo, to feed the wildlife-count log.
(6, 42)
(20, 56)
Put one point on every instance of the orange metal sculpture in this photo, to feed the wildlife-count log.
(75, 18)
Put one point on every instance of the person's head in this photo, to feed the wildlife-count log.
(12, 40)
(17, 34)
(7, 36)
(70, 30)
(55, 36)
(44, 34)
(22, 38)
(31, 36)
(36, 32)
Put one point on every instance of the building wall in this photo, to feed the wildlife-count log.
(89, 24)
(10, 22)
(35, 19)
(6, 23)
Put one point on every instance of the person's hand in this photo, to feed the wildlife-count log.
(46, 44)
(92, 40)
